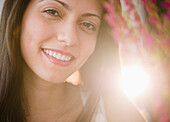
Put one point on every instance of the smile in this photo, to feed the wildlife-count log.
(58, 57)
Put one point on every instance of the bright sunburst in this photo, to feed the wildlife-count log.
(134, 80)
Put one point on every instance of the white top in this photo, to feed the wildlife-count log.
(100, 114)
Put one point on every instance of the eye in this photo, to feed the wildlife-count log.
(89, 26)
(52, 12)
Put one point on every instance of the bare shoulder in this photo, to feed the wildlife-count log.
(118, 108)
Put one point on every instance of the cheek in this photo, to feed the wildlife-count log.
(34, 31)
(32, 36)
(88, 47)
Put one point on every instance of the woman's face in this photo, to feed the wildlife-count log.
(58, 36)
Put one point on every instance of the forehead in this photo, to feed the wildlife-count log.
(87, 4)
(81, 5)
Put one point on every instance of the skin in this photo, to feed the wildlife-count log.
(46, 94)
(50, 24)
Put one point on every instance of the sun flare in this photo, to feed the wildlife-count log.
(134, 80)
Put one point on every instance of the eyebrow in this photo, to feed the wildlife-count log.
(90, 14)
(62, 3)
(67, 7)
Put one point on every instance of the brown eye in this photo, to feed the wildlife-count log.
(89, 26)
(52, 12)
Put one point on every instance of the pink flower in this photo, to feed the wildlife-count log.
(108, 8)
(167, 15)
(153, 20)
(154, 1)
(166, 4)
(129, 4)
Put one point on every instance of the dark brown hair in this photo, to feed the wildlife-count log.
(11, 109)
(11, 62)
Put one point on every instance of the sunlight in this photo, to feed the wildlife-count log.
(134, 80)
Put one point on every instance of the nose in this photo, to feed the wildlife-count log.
(67, 33)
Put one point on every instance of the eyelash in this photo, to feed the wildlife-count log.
(56, 13)
(52, 12)
(89, 26)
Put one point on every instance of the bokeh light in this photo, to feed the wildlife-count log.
(134, 80)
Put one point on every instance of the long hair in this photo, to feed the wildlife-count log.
(10, 61)
(11, 104)
(100, 73)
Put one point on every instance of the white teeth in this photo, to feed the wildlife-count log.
(50, 53)
(66, 58)
(69, 58)
(47, 51)
(57, 55)
(54, 54)
(63, 57)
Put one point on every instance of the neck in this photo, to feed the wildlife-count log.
(38, 92)
(45, 98)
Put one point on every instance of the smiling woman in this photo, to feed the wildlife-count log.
(43, 42)
(44, 27)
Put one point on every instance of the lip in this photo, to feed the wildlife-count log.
(60, 51)
(57, 61)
